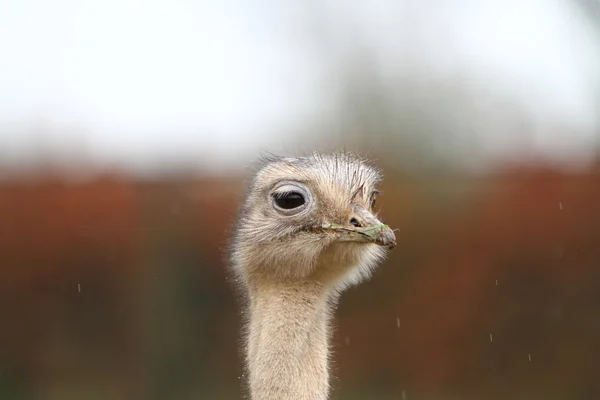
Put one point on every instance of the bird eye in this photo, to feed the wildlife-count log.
(291, 198)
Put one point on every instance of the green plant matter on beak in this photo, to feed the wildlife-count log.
(380, 234)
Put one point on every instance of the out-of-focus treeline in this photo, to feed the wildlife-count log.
(115, 287)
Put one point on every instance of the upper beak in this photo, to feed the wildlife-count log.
(370, 229)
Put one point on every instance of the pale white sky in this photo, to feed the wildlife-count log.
(139, 82)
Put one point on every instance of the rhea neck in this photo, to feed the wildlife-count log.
(288, 340)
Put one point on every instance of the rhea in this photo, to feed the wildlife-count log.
(307, 230)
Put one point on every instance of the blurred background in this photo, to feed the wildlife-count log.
(128, 129)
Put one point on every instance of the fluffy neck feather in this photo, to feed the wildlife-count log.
(288, 341)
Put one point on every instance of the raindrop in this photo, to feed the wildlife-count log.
(403, 394)
(347, 340)
(398, 322)
(79, 287)
(560, 205)
(529, 355)
(496, 282)
(491, 339)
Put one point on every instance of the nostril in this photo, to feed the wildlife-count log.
(355, 222)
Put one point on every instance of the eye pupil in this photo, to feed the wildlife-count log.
(289, 200)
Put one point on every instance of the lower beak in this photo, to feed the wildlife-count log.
(371, 230)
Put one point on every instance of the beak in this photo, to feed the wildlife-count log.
(366, 228)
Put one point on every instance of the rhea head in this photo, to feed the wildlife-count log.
(311, 219)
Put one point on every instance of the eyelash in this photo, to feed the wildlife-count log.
(279, 195)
